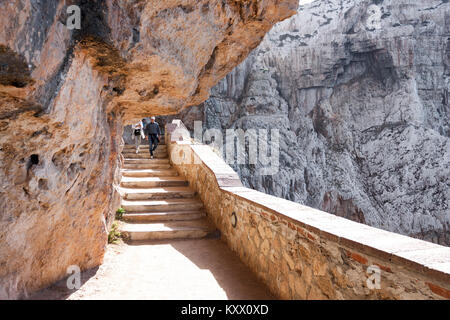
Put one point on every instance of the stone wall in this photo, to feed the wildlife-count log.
(304, 253)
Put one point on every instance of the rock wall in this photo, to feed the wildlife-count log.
(65, 95)
(360, 96)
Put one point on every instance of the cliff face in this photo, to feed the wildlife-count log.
(64, 96)
(360, 94)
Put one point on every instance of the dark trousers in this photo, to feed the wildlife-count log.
(152, 142)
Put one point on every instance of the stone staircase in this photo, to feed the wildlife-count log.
(159, 204)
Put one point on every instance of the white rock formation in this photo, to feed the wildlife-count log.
(360, 93)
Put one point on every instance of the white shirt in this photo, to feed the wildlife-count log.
(138, 125)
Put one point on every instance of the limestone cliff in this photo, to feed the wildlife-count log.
(360, 93)
(64, 96)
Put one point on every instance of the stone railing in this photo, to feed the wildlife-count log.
(304, 253)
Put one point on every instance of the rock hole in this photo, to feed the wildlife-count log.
(118, 90)
(33, 160)
(136, 35)
(43, 184)
(186, 8)
(205, 8)
(18, 84)
(26, 191)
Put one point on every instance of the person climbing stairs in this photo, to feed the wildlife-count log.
(159, 204)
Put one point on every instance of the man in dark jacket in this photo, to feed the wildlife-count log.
(153, 134)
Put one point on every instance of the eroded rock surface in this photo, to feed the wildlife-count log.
(360, 96)
(64, 96)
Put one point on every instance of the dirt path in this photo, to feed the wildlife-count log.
(176, 269)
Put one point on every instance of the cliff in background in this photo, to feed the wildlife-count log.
(65, 95)
(363, 111)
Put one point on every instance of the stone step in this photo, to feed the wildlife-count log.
(198, 228)
(163, 216)
(146, 161)
(143, 150)
(130, 147)
(146, 155)
(148, 182)
(145, 166)
(161, 205)
(142, 147)
(157, 193)
(149, 172)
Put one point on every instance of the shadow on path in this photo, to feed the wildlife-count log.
(235, 278)
(59, 290)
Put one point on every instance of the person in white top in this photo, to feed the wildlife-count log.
(137, 134)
